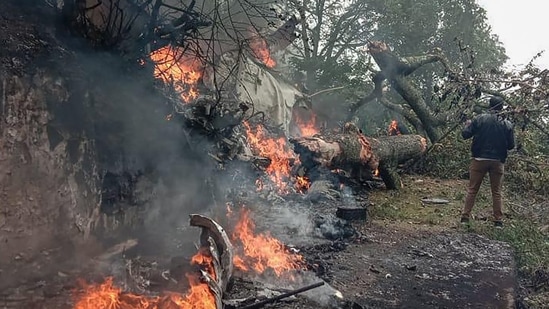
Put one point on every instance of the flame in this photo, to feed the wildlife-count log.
(261, 51)
(308, 127)
(176, 68)
(261, 252)
(393, 128)
(108, 296)
(302, 183)
(376, 172)
(276, 150)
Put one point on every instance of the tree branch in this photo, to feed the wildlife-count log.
(411, 118)
(376, 93)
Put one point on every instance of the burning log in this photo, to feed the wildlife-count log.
(352, 150)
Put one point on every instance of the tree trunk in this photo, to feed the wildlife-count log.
(341, 150)
(352, 151)
(396, 70)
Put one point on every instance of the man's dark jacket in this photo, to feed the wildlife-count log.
(492, 137)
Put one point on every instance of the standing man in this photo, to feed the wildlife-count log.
(492, 137)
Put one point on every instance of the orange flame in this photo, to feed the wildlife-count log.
(262, 252)
(308, 127)
(393, 128)
(175, 67)
(302, 183)
(274, 149)
(108, 296)
(261, 51)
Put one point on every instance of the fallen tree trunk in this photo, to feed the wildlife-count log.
(341, 150)
(353, 150)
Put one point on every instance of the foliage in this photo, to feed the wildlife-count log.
(448, 159)
(416, 28)
(332, 35)
(527, 169)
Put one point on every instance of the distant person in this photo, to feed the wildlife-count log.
(492, 137)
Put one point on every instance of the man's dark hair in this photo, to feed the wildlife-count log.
(496, 103)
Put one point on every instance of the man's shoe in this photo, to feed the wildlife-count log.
(498, 224)
(464, 220)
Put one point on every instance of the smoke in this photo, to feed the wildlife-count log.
(153, 177)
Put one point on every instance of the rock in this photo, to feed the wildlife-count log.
(434, 201)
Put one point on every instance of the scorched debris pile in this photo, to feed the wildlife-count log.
(213, 265)
(214, 261)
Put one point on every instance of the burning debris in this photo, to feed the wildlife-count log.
(177, 68)
(262, 252)
(107, 295)
(261, 51)
(213, 264)
(276, 150)
(307, 125)
(206, 286)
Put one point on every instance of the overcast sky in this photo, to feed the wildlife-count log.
(521, 27)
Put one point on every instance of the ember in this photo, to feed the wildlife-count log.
(261, 51)
(302, 183)
(393, 128)
(175, 67)
(277, 150)
(261, 252)
(108, 296)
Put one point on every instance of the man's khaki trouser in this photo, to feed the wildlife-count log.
(477, 170)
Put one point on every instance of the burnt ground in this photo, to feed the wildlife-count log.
(387, 263)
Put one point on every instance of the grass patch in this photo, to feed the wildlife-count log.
(531, 246)
(405, 205)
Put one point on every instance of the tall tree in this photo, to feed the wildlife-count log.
(458, 31)
(332, 34)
